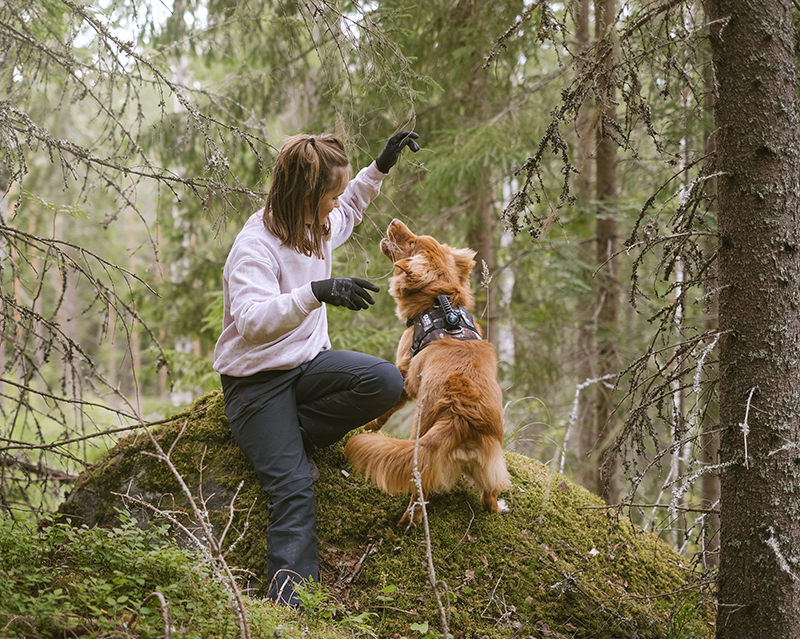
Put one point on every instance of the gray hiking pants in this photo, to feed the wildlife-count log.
(270, 413)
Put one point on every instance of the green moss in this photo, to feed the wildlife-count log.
(555, 560)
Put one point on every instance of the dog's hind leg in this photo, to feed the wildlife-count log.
(489, 501)
(491, 478)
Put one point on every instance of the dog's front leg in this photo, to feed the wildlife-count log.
(403, 361)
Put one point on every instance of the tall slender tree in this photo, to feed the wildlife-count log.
(587, 471)
(607, 332)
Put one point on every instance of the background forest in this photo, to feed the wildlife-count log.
(569, 143)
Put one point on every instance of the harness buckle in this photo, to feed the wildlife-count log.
(452, 320)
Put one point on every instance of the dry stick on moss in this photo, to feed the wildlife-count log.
(417, 478)
(214, 547)
(491, 597)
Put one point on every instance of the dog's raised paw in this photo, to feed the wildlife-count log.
(373, 425)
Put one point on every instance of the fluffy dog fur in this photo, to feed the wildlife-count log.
(459, 410)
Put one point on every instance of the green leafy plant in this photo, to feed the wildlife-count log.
(319, 605)
(60, 580)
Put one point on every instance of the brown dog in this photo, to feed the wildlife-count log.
(450, 371)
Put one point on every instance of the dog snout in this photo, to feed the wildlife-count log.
(393, 227)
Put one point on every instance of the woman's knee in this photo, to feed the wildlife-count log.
(388, 381)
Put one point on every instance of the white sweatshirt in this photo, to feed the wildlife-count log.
(272, 319)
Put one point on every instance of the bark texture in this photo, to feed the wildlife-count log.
(709, 453)
(759, 271)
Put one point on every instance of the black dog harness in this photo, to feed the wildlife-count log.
(441, 320)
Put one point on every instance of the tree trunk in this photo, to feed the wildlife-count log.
(759, 270)
(709, 453)
(607, 287)
(583, 181)
(480, 238)
(587, 471)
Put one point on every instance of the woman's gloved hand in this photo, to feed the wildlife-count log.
(345, 291)
(391, 153)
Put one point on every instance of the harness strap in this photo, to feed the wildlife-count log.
(439, 321)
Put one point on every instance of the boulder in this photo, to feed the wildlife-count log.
(557, 564)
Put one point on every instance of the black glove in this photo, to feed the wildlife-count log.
(344, 291)
(391, 153)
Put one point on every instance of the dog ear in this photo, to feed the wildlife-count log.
(415, 273)
(403, 275)
(465, 262)
(402, 265)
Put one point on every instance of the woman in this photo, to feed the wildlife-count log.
(284, 389)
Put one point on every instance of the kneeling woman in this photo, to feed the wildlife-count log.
(284, 388)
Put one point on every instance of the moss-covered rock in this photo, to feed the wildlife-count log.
(554, 566)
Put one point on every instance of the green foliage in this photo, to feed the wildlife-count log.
(321, 606)
(60, 580)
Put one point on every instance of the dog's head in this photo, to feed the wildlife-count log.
(423, 269)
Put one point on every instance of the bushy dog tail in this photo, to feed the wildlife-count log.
(389, 462)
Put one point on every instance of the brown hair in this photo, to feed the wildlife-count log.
(307, 168)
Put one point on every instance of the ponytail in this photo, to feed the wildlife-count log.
(307, 168)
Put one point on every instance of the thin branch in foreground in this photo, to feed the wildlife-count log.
(9, 461)
(213, 549)
(417, 480)
(685, 509)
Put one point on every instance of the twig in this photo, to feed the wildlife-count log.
(687, 509)
(231, 513)
(77, 402)
(164, 612)
(783, 563)
(359, 563)
(214, 549)
(417, 478)
(494, 590)
(573, 416)
(746, 427)
(202, 518)
(649, 17)
(9, 461)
